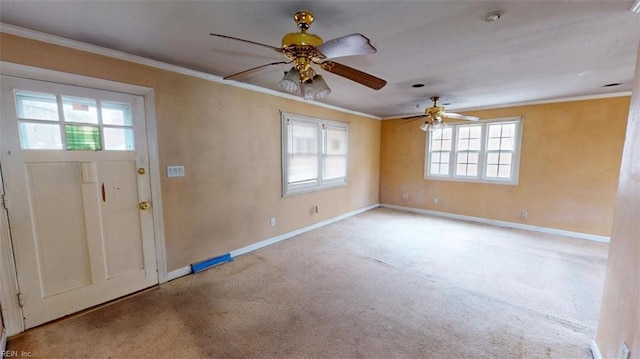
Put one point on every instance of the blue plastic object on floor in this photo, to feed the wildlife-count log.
(206, 264)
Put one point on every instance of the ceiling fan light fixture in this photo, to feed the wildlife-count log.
(315, 89)
(322, 90)
(437, 125)
(308, 90)
(291, 81)
(425, 126)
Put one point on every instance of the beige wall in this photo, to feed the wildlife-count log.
(568, 170)
(620, 313)
(228, 139)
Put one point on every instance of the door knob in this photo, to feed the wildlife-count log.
(144, 206)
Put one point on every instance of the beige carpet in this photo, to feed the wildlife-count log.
(383, 284)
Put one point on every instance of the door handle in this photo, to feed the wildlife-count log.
(144, 206)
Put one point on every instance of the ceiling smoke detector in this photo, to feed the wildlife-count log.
(492, 16)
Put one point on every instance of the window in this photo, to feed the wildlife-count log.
(314, 154)
(481, 151)
(84, 124)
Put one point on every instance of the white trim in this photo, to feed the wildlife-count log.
(527, 103)
(180, 272)
(595, 350)
(3, 341)
(78, 45)
(155, 174)
(528, 227)
(636, 7)
(276, 239)
(12, 314)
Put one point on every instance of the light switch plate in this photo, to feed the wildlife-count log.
(175, 171)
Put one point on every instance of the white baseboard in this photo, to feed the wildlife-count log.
(3, 343)
(595, 350)
(276, 239)
(528, 227)
(178, 273)
(252, 247)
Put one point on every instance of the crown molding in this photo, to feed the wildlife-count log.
(530, 103)
(94, 49)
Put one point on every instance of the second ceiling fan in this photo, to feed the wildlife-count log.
(302, 49)
(435, 115)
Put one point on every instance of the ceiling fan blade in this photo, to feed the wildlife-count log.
(250, 42)
(460, 117)
(246, 72)
(414, 117)
(352, 74)
(354, 44)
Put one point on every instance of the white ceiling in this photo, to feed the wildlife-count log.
(539, 50)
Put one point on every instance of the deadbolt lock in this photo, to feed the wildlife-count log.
(144, 206)
(141, 171)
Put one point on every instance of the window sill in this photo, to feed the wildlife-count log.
(473, 180)
(305, 190)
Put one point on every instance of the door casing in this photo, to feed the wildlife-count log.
(11, 312)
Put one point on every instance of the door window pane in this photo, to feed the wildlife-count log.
(116, 113)
(83, 138)
(118, 139)
(78, 109)
(40, 136)
(36, 106)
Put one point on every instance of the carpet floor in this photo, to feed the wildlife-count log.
(382, 284)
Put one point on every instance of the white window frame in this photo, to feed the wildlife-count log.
(99, 98)
(319, 183)
(481, 177)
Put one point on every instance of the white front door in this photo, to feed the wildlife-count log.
(75, 167)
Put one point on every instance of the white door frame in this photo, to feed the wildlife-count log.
(11, 312)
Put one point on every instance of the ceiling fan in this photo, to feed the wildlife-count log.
(302, 49)
(435, 115)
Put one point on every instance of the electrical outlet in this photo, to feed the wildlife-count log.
(436, 200)
(405, 196)
(524, 214)
(175, 171)
(625, 354)
(272, 222)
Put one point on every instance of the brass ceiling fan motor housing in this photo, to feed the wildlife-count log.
(301, 46)
(435, 112)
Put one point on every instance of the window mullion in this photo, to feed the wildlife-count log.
(321, 153)
(100, 126)
(484, 138)
(453, 162)
(62, 121)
